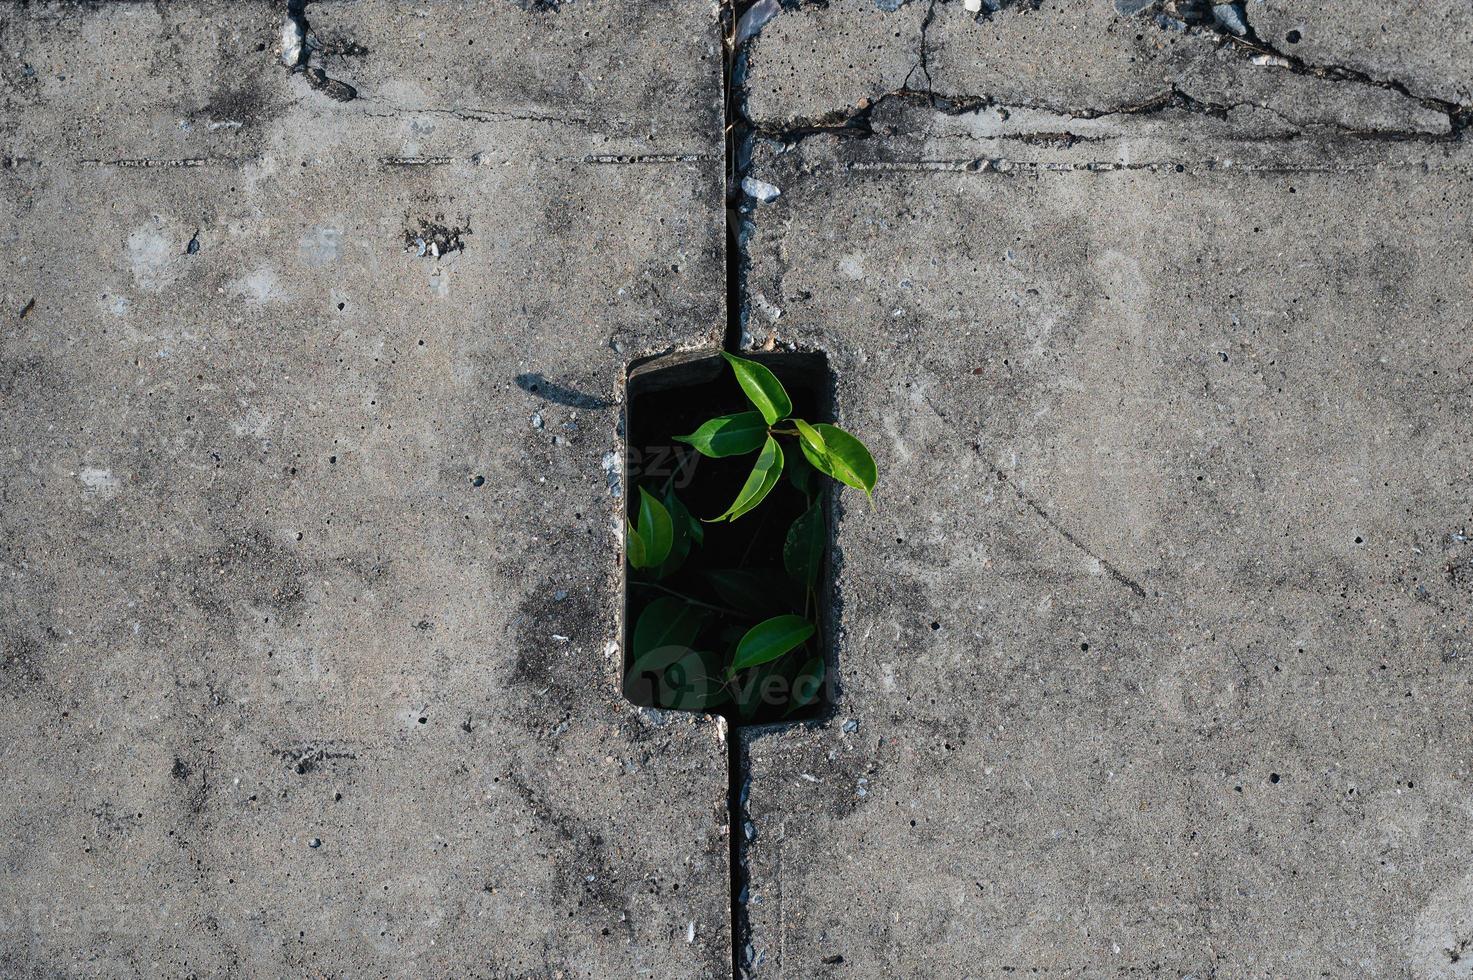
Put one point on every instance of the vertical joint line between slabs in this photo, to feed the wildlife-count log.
(737, 789)
(735, 129)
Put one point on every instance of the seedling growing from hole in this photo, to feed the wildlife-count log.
(830, 449)
(747, 638)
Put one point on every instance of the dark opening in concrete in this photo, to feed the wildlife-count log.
(733, 575)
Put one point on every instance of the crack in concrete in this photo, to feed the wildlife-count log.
(1201, 16)
(297, 45)
(1104, 563)
(924, 53)
(1193, 15)
(1177, 98)
(858, 122)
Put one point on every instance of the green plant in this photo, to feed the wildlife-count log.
(746, 636)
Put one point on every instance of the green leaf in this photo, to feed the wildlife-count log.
(655, 529)
(728, 435)
(803, 549)
(635, 546)
(810, 436)
(818, 458)
(664, 633)
(762, 388)
(680, 522)
(770, 639)
(843, 457)
(800, 473)
(758, 593)
(764, 476)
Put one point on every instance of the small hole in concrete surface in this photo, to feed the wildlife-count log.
(731, 576)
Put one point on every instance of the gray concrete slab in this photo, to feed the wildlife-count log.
(1153, 653)
(1155, 647)
(309, 542)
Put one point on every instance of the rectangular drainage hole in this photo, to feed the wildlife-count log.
(686, 618)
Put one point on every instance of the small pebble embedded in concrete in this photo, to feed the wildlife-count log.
(761, 190)
(1230, 17)
(314, 842)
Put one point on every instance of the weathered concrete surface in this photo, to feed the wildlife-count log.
(1155, 656)
(308, 545)
(1155, 651)
(822, 64)
(1420, 43)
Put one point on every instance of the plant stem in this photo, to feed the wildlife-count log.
(693, 601)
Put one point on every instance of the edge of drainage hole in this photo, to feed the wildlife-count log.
(732, 574)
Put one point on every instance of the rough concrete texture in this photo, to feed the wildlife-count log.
(309, 555)
(1156, 648)
(1154, 652)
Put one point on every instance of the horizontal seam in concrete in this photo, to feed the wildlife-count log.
(479, 115)
(149, 162)
(1003, 166)
(601, 159)
(592, 159)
